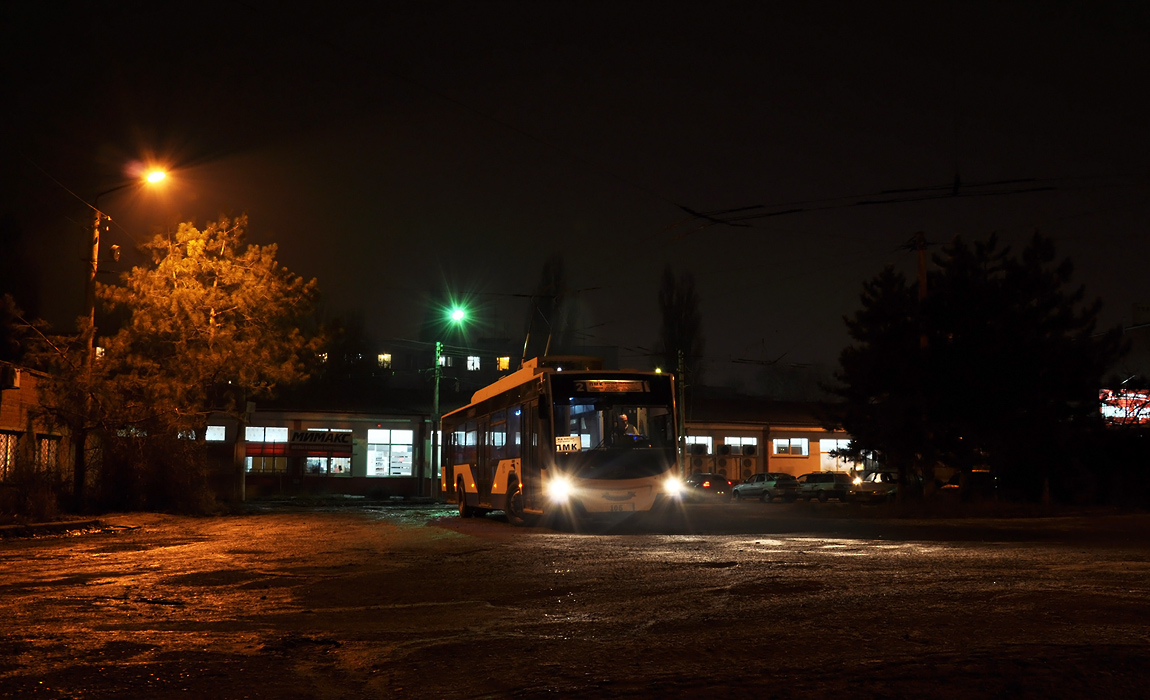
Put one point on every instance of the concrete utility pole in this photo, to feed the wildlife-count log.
(433, 458)
(681, 419)
(80, 431)
(920, 247)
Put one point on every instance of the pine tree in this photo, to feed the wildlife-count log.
(999, 366)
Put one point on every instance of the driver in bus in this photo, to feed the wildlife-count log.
(625, 427)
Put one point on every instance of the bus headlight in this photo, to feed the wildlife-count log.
(673, 486)
(559, 490)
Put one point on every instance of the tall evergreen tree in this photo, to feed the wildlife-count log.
(1000, 365)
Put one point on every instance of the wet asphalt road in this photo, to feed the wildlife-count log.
(731, 600)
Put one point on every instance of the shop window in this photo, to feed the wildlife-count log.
(266, 464)
(328, 466)
(390, 452)
(266, 449)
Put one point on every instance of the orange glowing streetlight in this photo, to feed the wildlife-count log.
(152, 177)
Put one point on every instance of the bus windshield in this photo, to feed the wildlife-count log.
(598, 424)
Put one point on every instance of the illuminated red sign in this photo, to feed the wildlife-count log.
(1125, 407)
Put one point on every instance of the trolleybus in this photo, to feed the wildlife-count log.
(562, 435)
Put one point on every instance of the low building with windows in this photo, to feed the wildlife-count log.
(286, 452)
(738, 436)
(29, 446)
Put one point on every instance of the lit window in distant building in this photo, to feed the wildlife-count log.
(215, 433)
(740, 441)
(385, 360)
(323, 357)
(47, 452)
(266, 449)
(446, 361)
(502, 364)
(389, 452)
(472, 363)
(832, 462)
(8, 443)
(99, 353)
(796, 447)
(704, 440)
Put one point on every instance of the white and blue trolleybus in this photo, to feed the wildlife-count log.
(562, 435)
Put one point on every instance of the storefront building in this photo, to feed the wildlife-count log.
(304, 453)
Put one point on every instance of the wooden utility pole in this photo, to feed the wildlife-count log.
(920, 248)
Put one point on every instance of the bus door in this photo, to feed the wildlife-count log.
(518, 446)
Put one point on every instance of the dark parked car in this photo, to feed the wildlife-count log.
(704, 486)
(824, 485)
(768, 487)
(878, 487)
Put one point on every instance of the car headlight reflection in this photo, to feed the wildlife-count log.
(559, 490)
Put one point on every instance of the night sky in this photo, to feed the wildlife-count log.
(390, 149)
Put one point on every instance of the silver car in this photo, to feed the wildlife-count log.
(768, 487)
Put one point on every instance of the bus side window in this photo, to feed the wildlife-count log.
(514, 432)
(497, 437)
(467, 449)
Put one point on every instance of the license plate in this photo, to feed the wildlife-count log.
(622, 507)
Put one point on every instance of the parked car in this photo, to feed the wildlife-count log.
(975, 485)
(874, 487)
(705, 486)
(824, 485)
(878, 487)
(767, 487)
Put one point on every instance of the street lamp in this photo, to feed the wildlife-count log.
(456, 315)
(80, 465)
(153, 177)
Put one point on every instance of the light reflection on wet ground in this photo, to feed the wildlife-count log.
(383, 602)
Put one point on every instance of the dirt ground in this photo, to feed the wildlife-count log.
(732, 601)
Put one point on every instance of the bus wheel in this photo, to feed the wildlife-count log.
(514, 507)
(464, 510)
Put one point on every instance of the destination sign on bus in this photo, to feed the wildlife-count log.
(568, 443)
(611, 386)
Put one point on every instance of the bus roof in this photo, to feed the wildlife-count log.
(533, 368)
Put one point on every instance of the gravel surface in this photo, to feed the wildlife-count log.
(734, 600)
